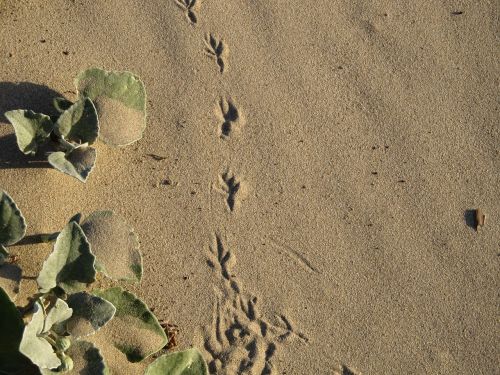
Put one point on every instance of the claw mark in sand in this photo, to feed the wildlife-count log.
(230, 116)
(216, 49)
(240, 340)
(296, 256)
(233, 188)
(190, 7)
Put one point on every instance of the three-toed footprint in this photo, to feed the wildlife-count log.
(190, 7)
(217, 49)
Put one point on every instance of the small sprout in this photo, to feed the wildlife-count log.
(111, 105)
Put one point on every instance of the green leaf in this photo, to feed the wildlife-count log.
(35, 346)
(87, 359)
(32, 129)
(58, 313)
(134, 331)
(79, 123)
(10, 279)
(115, 246)
(71, 263)
(11, 325)
(77, 162)
(11, 328)
(120, 100)
(62, 104)
(187, 362)
(90, 313)
(12, 223)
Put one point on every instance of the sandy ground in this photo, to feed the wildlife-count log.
(310, 212)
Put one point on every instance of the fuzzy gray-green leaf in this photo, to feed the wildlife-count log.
(90, 313)
(77, 163)
(35, 346)
(120, 100)
(187, 362)
(58, 313)
(114, 244)
(32, 129)
(71, 264)
(12, 223)
(79, 123)
(87, 359)
(135, 331)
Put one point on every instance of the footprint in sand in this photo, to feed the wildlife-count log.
(230, 116)
(190, 7)
(240, 340)
(233, 188)
(217, 49)
(344, 370)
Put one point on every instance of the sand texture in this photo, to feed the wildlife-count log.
(304, 188)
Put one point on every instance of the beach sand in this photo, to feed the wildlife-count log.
(303, 187)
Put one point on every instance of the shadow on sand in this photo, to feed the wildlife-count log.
(23, 95)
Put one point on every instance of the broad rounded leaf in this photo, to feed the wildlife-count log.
(12, 223)
(35, 346)
(58, 313)
(90, 313)
(62, 104)
(134, 331)
(120, 100)
(79, 123)
(32, 129)
(87, 359)
(115, 246)
(71, 263)
(77, 162)
(10, 279)
(187, 362)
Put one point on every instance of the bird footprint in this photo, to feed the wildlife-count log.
(190, 7)
(217, 49)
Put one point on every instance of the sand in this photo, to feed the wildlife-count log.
(370, 131)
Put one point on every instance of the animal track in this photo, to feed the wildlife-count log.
(344, 370)
(233, 188)
(240, 340)
(230, 117)
(216, 49)
(189, 6)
